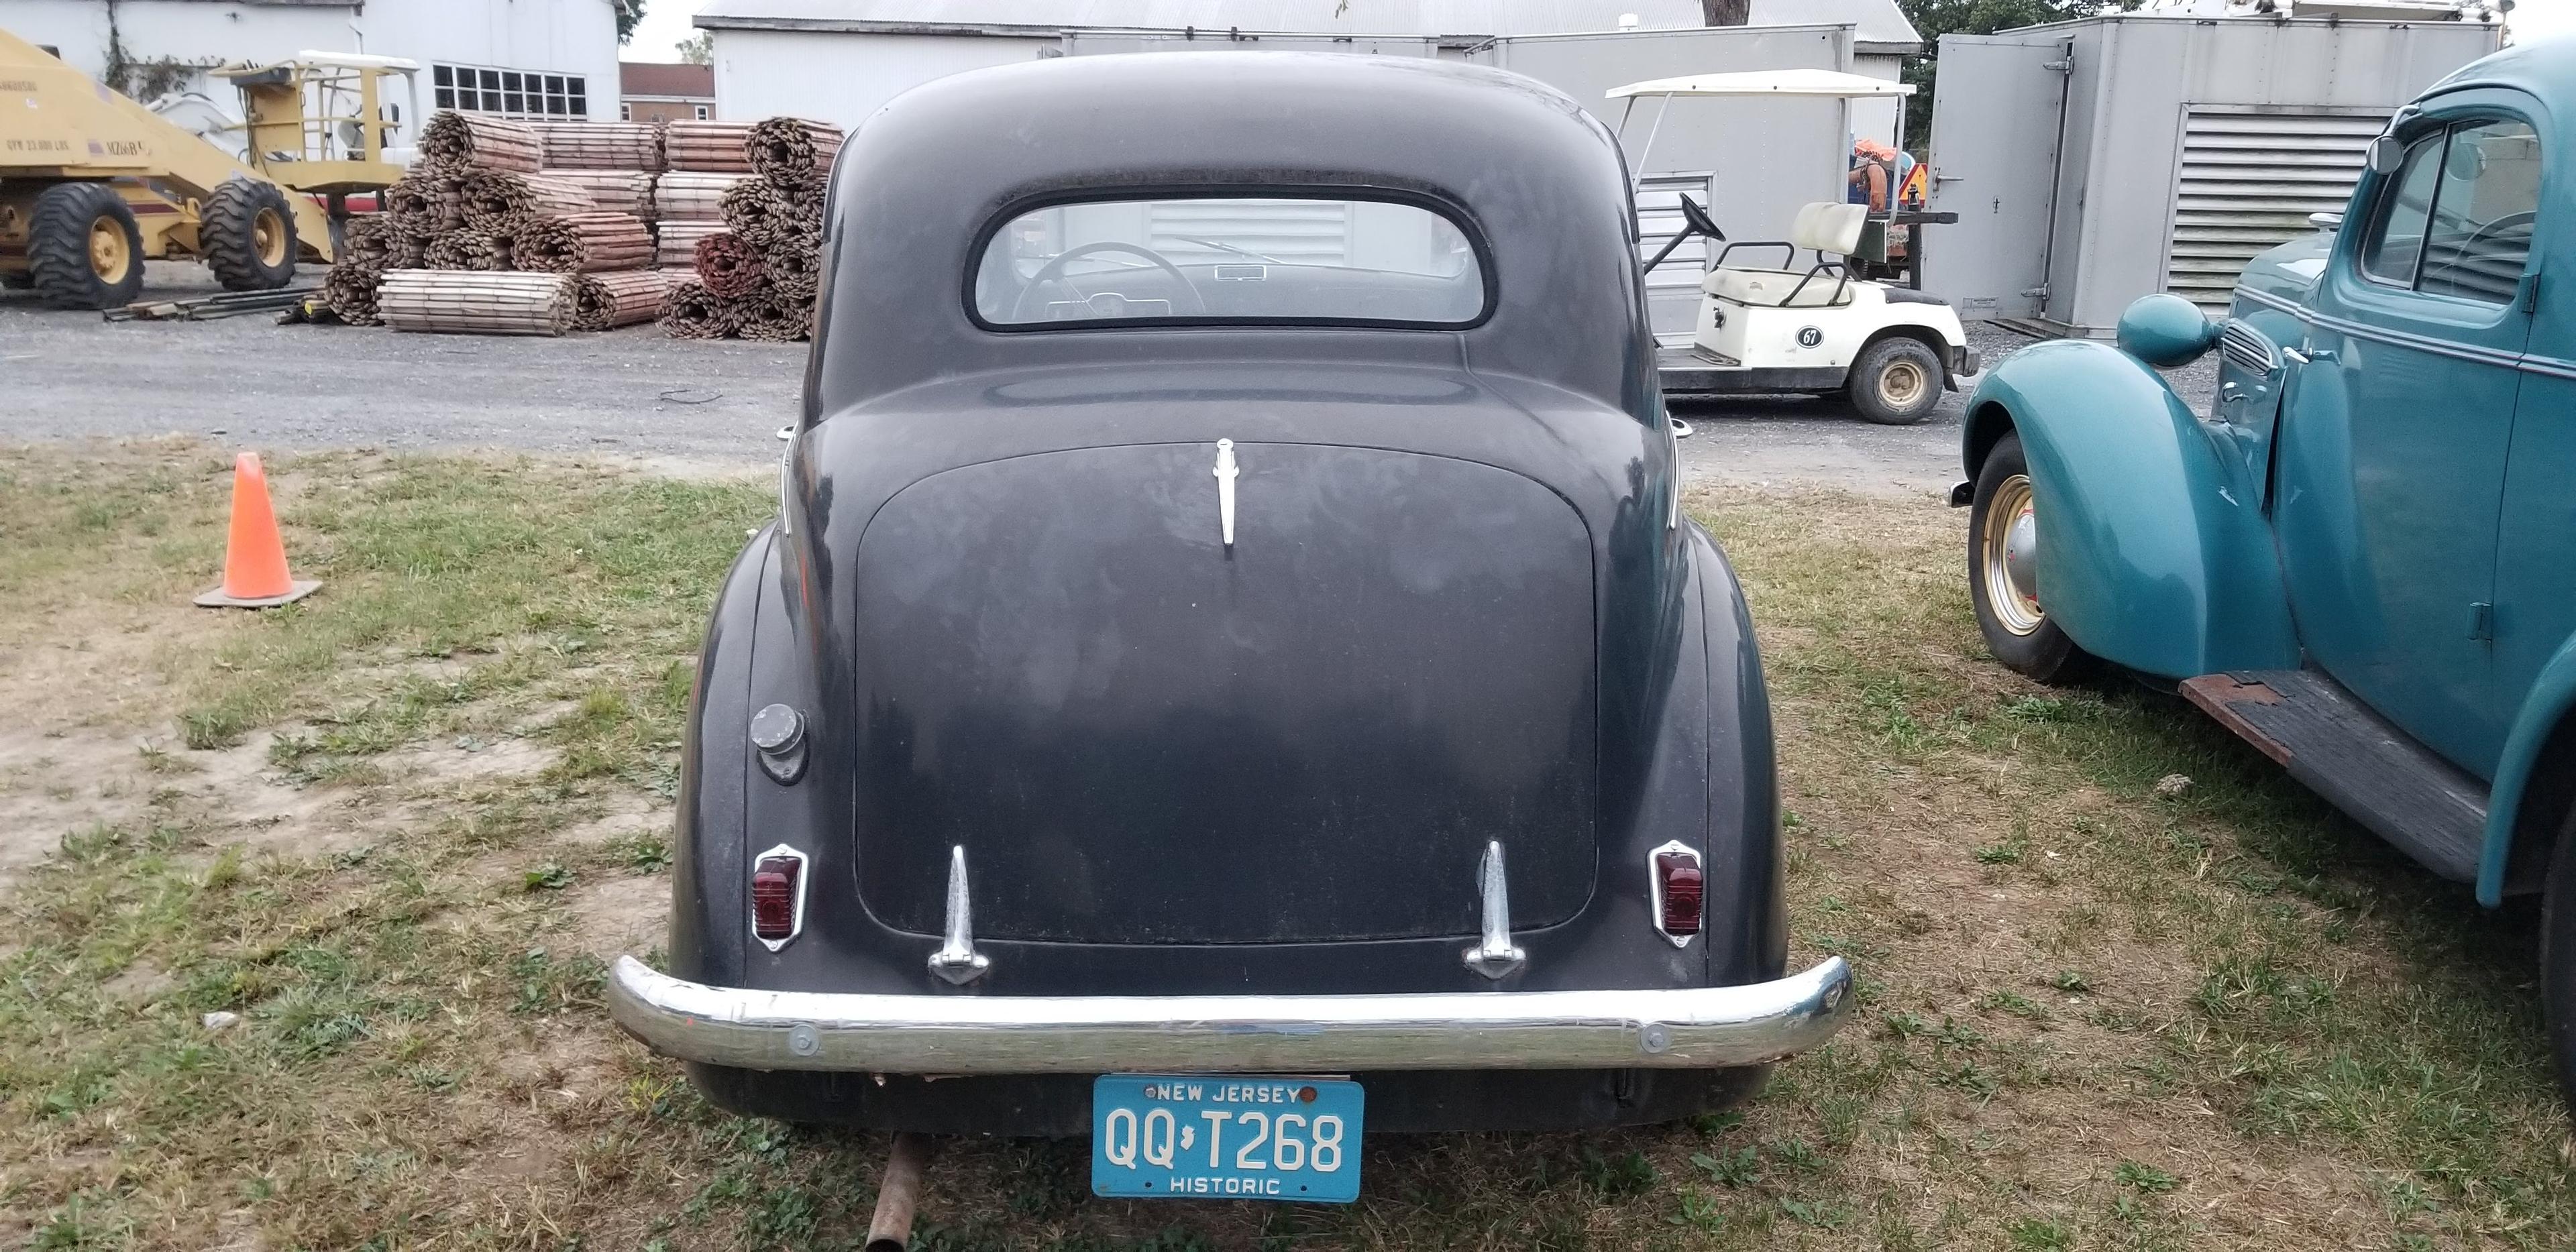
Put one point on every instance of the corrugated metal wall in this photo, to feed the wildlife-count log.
(2247, 179)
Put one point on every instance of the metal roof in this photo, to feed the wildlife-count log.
(1354, 17)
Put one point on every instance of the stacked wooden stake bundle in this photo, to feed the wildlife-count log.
(681, 196)
(713, 147)
(612, 191)
(492, 304)
(624, 298)
(679, 241)
(788, 149)
(349, 291)
(730, 268)
(469, 250)
(622, 146)
(583, 242)
(497, 200)
(454, 140)
(757, 279)
(689, 312)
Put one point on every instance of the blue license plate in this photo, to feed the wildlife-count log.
(1226, 1136)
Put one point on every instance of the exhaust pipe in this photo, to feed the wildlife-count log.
(891, 1229)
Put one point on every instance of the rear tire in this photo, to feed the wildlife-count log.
(2558, 959)
(2003, 534)
(1896, 381)
(84, 250)
(247, 233)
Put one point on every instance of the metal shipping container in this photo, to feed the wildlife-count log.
(2093, 162)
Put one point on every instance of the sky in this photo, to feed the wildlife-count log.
(666, 23)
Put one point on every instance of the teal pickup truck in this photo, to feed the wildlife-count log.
(2362, 558)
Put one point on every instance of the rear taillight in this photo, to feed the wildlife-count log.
(778, 896)
(1681, 889)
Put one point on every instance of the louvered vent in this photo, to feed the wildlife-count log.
(2246, 349)
(2249, 179)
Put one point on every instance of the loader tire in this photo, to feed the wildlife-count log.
(83, 249)
(247, 233)
(16, 280)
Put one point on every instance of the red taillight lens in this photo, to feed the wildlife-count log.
(1678, 873)
(773, 897)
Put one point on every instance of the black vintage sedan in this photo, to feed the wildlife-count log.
(1229, 615)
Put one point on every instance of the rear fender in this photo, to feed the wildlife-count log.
(2152, 554)
(2535, 782)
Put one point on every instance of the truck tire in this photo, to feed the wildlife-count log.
(1896, 381)
(2002, 546)
(2558, 959)
(247, 233)
(83, 249)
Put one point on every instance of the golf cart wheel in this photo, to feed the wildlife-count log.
(247, 233)
(2003, 572)
(84, 250)
(1896, 381)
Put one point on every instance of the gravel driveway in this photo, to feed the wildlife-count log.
(686, 405)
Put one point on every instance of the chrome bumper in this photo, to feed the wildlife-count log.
(1678, 1028)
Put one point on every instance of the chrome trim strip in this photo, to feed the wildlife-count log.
(1672, 1028)
(1225, 476)
(957, 960)
(1495, 956)
(2405, 339)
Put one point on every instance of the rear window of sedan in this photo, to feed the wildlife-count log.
(1200, 260)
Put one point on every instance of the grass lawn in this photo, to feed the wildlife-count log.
(393, 831)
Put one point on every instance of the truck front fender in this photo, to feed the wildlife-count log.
(2153, 551)
(2528, 794)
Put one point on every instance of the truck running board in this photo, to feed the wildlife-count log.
(2377, 774)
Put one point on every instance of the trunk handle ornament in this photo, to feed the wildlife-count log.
(1225, 476)
(1495, 957)
(957, 960)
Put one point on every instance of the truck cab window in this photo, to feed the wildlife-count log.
(2480, 233)
(2457, 218)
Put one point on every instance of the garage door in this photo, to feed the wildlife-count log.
(2248, 180)
(1312, 232)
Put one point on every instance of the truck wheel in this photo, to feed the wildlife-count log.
(1896, 381)
(2003, 574)
(83, 249)
(2558, 958)
(247, 233)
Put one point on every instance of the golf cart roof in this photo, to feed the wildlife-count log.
(1827, 83)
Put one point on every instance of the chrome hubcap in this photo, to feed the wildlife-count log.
(2008, 556)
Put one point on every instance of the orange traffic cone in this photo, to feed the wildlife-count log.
(255, 556)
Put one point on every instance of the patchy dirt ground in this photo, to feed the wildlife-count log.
(396, 831)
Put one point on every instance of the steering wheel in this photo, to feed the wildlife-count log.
(1697, 219)
(1053, 271)
(2469, 247)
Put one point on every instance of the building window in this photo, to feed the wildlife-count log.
(702, 112)
(511, 93)
(625, 112)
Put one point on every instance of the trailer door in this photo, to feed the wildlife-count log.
(1998, 114)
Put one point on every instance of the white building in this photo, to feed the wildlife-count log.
(840, 60)
(522, 58)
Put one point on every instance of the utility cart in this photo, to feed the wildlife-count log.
(1791, 315)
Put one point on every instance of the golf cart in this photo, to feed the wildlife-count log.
(1769, 323)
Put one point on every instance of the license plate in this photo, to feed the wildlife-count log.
(1226, 1136)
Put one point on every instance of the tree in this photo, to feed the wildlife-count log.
(629, 12)
(1935, 18)
(698, 49)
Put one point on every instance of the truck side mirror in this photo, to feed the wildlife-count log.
(2385, 154)
(2166, 330)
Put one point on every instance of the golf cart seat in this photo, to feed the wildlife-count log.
(1829, 230)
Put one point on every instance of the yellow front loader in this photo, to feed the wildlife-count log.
(93, 183)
